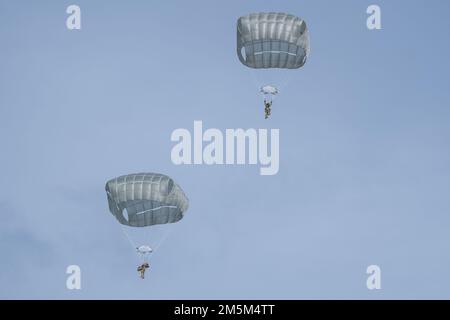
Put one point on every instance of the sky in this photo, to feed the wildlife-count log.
(364, 151)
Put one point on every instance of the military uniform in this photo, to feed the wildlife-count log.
(142, 269)
(267, 108)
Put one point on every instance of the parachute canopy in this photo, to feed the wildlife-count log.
(145, 199)
(272, 40)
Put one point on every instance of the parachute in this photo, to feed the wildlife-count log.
(142, 202)
(272, 41)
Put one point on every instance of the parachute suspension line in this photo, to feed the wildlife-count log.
(258, 76)
(154, 246)
(256, 80)
(142, 257)
(286, 80)
(166, 234)
(128, 238)
(259, 81)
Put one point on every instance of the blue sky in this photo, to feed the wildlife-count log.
(364, 151)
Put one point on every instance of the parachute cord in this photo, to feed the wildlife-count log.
(142, 257)
(164, 237)
(255, 78)
(286, 80)
(128, 238)
(259, 81)
(155, 246)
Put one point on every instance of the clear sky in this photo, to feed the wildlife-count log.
(364, 151)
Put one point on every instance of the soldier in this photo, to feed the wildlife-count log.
(267, 105)
(142, 269)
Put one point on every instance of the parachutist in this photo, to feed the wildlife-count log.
(160, 201)
(272, 40)
(267, 105)
(141, 269)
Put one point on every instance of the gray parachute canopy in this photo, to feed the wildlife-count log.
(145, 199)
(272, 40)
